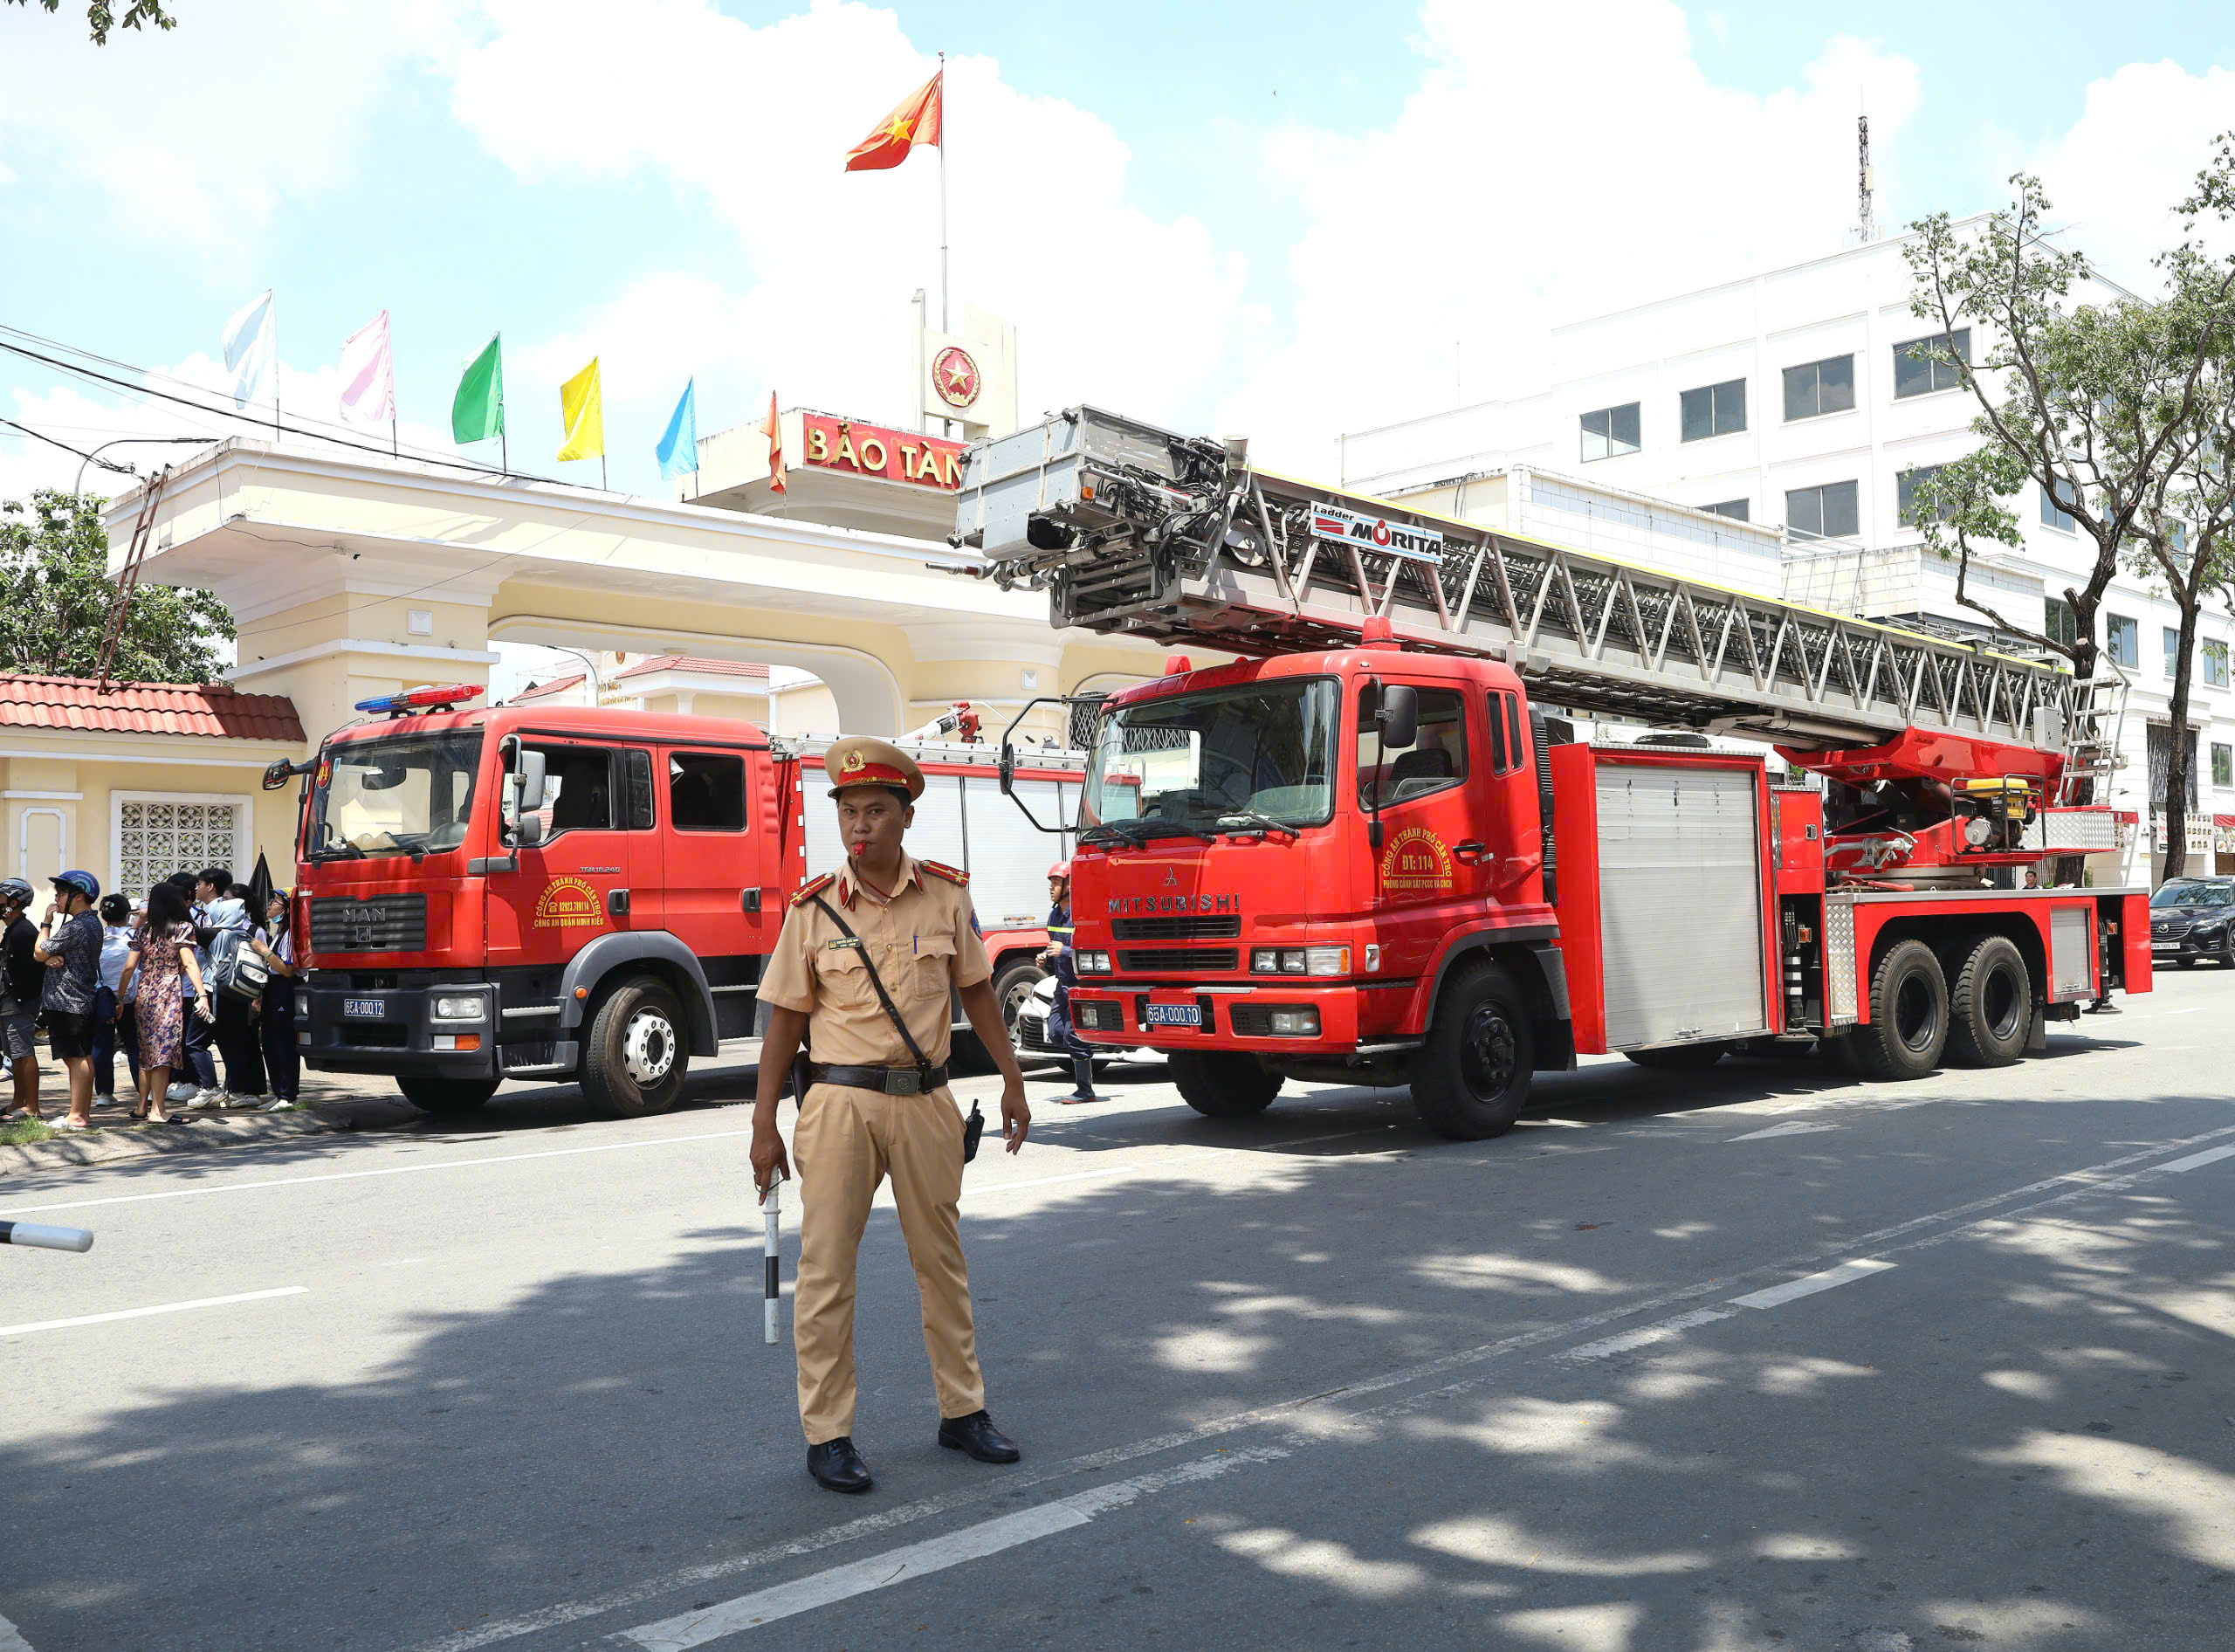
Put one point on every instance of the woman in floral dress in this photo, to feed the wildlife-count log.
(161, 951)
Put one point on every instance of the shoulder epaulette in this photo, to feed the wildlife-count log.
(812, 887)
(953, 874)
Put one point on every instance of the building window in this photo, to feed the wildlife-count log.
(2172, 651)
(2053, 513)
(1917, 375)
(2215, 664)
(1816, 388)
(1611, 430)
(158, 835)
(2222, 765)
(1825, 513)
(2060, 625)
(1737, 510)
(1713, 409)
(2123, 640)
(1905, 494)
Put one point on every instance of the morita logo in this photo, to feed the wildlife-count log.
(1377, 533)
(1161, 906)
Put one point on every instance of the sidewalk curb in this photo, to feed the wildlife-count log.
(114, 1145)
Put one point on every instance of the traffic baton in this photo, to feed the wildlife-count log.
(772, 1251)
(46, 1238)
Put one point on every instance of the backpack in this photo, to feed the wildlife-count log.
(234, 968)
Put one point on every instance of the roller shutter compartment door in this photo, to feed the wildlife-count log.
(1679, 904)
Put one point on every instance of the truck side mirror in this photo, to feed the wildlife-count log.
(529, 832)
(1398, 716)
(1007, 768)
(532, 771)
(277, 776)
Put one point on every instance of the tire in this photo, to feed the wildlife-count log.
(2186, 961)
(1474, 1072)
(1991, 1007)
(1013, 989)
(1679, 1057)
(1222, 1083)
(636, 1051)
(446, 1095)
(1909, 1015)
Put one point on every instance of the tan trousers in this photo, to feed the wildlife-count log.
(848, 1141)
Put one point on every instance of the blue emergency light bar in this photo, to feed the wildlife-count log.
(420, 699)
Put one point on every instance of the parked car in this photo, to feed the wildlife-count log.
(1033, 1043)
(2193, 918)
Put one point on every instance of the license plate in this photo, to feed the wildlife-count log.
(2166, 946)
(364, 1008)
(1175, 1014)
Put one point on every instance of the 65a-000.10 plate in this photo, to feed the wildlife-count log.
(1175, 1014)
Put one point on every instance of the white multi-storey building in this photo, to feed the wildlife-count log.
(1789, 399)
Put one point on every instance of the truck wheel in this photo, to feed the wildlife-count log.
(1991, 1005)
(1909, 1015)
(446, 1095)
(1222, 1083)
(634, 1056)
(1012, 991)
(1474, 1072)
(1679, 1057)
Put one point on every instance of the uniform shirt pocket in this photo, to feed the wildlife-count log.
(841, 978)
(930, 968)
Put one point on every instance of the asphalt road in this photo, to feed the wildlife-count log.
(1751, 1361)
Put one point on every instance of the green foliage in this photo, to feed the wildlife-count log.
(56, 594)
(102, 16)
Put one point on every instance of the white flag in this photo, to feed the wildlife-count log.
(369, 374)
(249, 347)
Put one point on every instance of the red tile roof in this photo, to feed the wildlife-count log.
(541, 690)
(688, 662)
(209, 709)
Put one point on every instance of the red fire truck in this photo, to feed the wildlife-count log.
(557, 893)
(1373, 852)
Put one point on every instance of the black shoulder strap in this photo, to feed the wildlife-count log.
(883, 996)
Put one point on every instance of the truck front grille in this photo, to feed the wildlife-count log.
(1175, 928)
(341, 923)
(1180, 959)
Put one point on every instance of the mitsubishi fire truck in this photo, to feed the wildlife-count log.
(1372, 851)
(590, 894)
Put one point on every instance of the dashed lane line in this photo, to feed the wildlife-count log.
(142, 1313)
(2198, 1160)
(12, 1640)
(1796, 1128)
(561, 1614)
(1831, 1278)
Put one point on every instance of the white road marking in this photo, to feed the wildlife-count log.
(1831, 1278)
(142, 1313)
(560, 1614)
(2198, 1160)
(697, 1627)
(1795, 1129)
(1646, 1335)
(11, 1639)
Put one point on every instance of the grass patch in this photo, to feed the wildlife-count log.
(18, 1132)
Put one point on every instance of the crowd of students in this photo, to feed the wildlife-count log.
(160, 982)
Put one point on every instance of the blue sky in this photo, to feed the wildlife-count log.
(1288, 219)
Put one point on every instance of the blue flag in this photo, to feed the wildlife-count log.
(678, 449)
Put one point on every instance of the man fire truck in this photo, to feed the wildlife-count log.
(1368, 853)
(557, 893)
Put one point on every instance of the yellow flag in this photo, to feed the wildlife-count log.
(581, 407)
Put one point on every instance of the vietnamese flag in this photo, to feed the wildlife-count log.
(916, 120)
(773, 427)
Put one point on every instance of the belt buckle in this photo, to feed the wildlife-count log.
(903, 1081)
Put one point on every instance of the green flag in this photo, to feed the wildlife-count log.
(477, 411)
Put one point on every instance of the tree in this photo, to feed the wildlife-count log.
(102, 16)
(56, 594)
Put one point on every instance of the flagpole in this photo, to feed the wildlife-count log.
(943, 313)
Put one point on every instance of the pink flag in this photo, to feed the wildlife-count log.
(369, 374)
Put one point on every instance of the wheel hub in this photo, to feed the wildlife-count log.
(648, 1048)
(1488, 1052)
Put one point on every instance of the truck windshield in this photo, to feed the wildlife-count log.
(409, 795)
(1262, 750)
(2184, 894)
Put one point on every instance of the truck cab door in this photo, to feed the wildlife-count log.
(1436, 860)
(724, 895)
(581, 881)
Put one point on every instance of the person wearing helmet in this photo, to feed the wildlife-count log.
(1057, 956)
(70, 947)
(21, 978)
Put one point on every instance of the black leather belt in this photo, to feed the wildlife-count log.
(893, 1081)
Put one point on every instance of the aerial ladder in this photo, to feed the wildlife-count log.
(1137, 531)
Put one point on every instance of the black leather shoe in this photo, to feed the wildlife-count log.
(977, 1434)
(837, 1466)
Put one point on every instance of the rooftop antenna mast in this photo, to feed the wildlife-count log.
(1866, 228)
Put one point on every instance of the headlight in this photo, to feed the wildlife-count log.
(1295, 1023)
(1300, 960)
(1090, 963)
(302, 1006)
(468, 1007)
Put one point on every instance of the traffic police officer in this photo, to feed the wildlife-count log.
(872, 1109)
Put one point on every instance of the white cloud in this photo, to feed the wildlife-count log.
(1504, 199)
(2142, 135)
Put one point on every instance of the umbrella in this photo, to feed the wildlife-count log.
(259, 891)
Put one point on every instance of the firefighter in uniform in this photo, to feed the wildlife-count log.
(875, 1107)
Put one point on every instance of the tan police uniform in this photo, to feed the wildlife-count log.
(924, 939)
